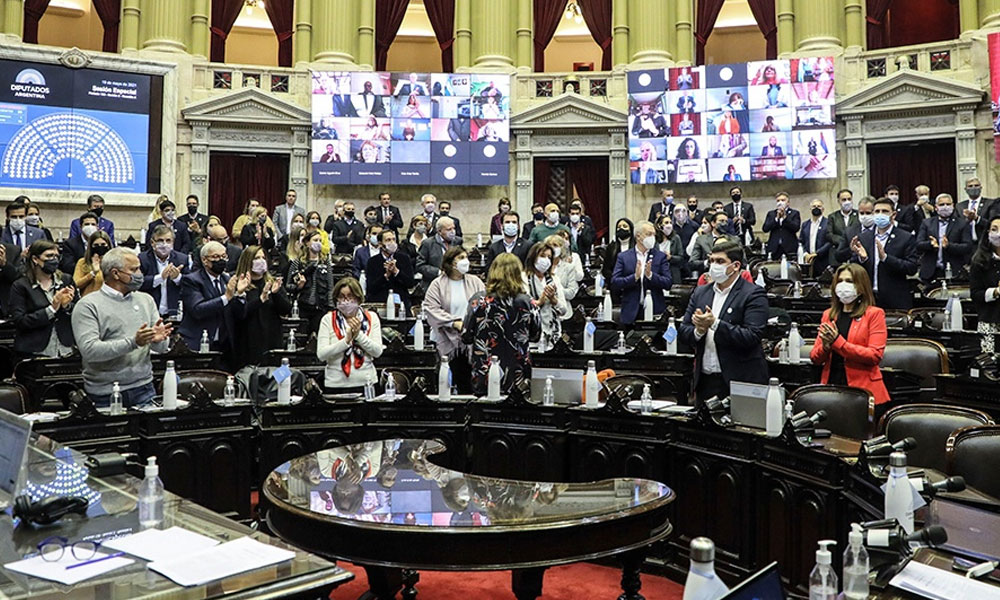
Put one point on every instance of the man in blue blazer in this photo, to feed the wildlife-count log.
(724, 323)
(943, 239)
(813, 238)
(163, 268)
(641, 269)
(889, 254)
(17, 231)
(207, 294)
(782, 225)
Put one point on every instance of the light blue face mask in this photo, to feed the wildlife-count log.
(882, 221)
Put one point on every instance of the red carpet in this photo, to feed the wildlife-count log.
(581, 581)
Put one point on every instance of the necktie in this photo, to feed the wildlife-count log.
(18, 240)
(219, 286)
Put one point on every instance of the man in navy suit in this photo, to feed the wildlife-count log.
(815, 243)
(95, 204)
(889, 254)
(75, 248)
(724, 323)
(943, 239)
(163, 269)
(206, 294)
(782, 224)
(741, 215)
(17, 231)
(388, 215)
(343, 107)
(389, 269)
(168, 218)
(641, 269)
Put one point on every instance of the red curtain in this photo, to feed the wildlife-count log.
(542, 173)
(547, 15)
(235, 178)
(930, 163)
(597, 14)
(33, 11)
(877, 10)
(442, 16)
(590, 178)
(110, 12)
(763, 12)
(280, 12)
(224, 14)
(388, 17)
(706, 14)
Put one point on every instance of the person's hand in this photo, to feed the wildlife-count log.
(880, 249)
(145, 335)
(933, 241)
(276, 285)
(970, 215)
(458, 324)
(391, 269)
(300, 281)
(170, 271)
(231, 288)
(95, 263)
(354, 326)
(550, 292)
(702, 320)
(827, 335)
(739, 219)
(781, 213)
(161, 331)
(639, 268)
(809, 258)
(858, 249)
(24, 253)
(649, 269)
(3, 254)
(944, 241)
(194, 227)
(243, 283)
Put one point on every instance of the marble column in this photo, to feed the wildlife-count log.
(462, 54)
(525, 45)
(333, 40)
(166, 23)
(13, 18)
(492, 24)
(366, 35)
(965, 142)
(685, 32)
(968, 14)
(201, 37)
(130, 25)
(818, 24)
(299, 166)
(303, 32)
(855, 25)
(648, 33)
(620, 34)
(989, 14)
(786, 27)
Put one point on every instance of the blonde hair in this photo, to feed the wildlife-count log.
(504, 277)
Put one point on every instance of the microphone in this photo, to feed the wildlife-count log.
(885, 448)
(810, 421)
(897, 539)
(951, 484)
(875, 441)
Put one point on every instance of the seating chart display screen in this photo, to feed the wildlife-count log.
(84, 129)
(738, 122)
(410, 128)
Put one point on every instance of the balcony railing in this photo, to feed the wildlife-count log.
(952, 58)
(221, 78)
(536, 88)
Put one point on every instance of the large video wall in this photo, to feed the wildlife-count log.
(738, 122)
(410, 128)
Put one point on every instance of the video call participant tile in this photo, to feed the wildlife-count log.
(489, 152)
(726, 76)
(331, 173)
(654, 80)
(489, 174)
(410, 173)
(449, 174)
(369, 173)
(451, 152)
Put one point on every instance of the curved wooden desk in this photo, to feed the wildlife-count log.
(384, 505)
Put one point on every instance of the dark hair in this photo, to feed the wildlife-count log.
(37, 248)
(160, 230)
(731, 249)
(863, 285)
(529, 260)
(100, 234)
(89, 215)
(718, 214)
(502, 201)
(886, 201)
(891, 188)
(94, 198)
(450, 257)
(189, 196)
(164, 204)
(511, 213)
(735, 187)
(16, 205)
(845, 190)
(381, 234)
(984, 251)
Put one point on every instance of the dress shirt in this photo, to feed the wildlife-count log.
(508, 248)
(289, 215)
(974, 207)
(883, 238)
(160, 283)
(710, 358)
(813, 231)
(942, 231)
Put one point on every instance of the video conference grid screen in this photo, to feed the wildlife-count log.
(410, 128)
(63, 128)
(739, 122)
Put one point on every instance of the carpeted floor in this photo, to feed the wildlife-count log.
(582, 581)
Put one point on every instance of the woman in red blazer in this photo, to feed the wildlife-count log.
(852, 334)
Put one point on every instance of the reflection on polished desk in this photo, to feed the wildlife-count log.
(386, 506)
(113, 513)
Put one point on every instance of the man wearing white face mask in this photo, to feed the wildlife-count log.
(943, 239)
(17, 231)
(724, 323)
(641, 269)
(162, 270)
(782, 224)
(432, 249)
(549, 226)
(913, 215)
(581, 233)
(389, 269)
(510, 243)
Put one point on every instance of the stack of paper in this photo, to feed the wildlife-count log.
(161, 544)
(218, 562)
(938, 584)
(58, 571)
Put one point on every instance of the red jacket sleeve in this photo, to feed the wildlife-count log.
(870, 352)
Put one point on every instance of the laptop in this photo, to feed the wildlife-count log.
(567, 385)
(15, 431)
(762, 585)
(748, 404)
(972, 532)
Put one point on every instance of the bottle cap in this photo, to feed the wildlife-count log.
(897, 459)
(284, 361)
(774, 381)
(702, 550)
(823, 556)
(152, 469)
(856, 537)
(591, 364)
(170, 364)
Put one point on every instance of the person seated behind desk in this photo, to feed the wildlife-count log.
(852, 334)
(349, 339)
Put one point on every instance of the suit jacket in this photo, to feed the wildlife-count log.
(200, 219)
(520, 250)
(280, 218)
(584, 239)
(204, 310)
(702, 248)
(405, 90)
(30, 235)
(150, 269)
(429, 258)
(901, 261)
(459, 130)
(737, 336)
(987, 209)
(347, 236)
(34, 327)
(634, 292)
(232, 254)
(687, 230)
(823, 244)
(395, 221)
(72, 251)
(10, 272)
(657, 209)
(911, 216)
(749, 218)
(361, 256)
(843, 252)
(103, 224)
(769, 151)
(182, 237)
(343, 107)
(862, 350)
(368, 104)
(458, 227)
(652, 176)
(836, 230)
(783, 238)
(957, 253)
(400, 283)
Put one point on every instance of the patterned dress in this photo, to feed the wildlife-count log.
(502, 327)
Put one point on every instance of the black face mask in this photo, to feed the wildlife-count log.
(348, 214)
(371, 220)
(218, 267)
(736, 197)
(99, 250)
(623, 234)
(539, 216)
(817, 212)
(50, 266)
(193, 210)
(98, 210)
(692, 206)
(444, 213)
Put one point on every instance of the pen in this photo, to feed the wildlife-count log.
(95, 560)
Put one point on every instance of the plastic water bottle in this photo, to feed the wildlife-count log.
(600, 313)
(794, 345)
(957, 318)
(946, 322)
(899, 493)
(588, 336)
(370, 388)
(823, 579)
(947, 271)
(783, 268)
(117, 407)
(206, 346)
(609, 308)
(390, 306)
(772, 410)
(647, 307)
(801, 256)
(295, 309)
(598, 284)
(621, 348)
(856, 566)
(418, 332)
(444, 380)
(180, 310)
(229, 392)
(646, 401)
(390, 387)
(591, 387)
(479, 240)
(672, 333)
(291, 342)
(170, 387)
(586, 263)
(797, 290)
(549, 396)
(363, 282)
(702, 583)
(285, 387)
(151, 497)
(494, 376)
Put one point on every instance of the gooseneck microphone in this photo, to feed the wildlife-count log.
(885, 448)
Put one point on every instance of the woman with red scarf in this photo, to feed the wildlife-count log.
(349, 339)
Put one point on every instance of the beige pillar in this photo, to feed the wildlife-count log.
(462, 53)
(685, 32)
(968, 11)
(648, 36)
(303, 31)
(165, 22)
(989, 13)
(855, 25)
(201, 36)
(620, 34)
(130, 25)
(786, 26)
(525, 45)
(366, 34)
(333, 40)
(818, 24)
(13, 18)
(492, 23)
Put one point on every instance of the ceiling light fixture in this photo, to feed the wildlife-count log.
(573, 12)
(252, 4)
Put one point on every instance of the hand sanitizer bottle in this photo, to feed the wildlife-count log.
(549, 396)
(390, 306)
(947, 271)
(229, 392)
(170, 387)
(856, 566)
(206, 346)
(946, 321)
(444, 380)
(598, 285)
(291, 342)
(390, 387)
(646, 401)
(823, 579)
(418, 332)
(592, 387)
(702, 583)
(899, 493)
(151, 497)
(117, 407)
(794, 345)
(797, 290)
(285, 387)
(620, 349)
(647, 307)
(773, 408)
(295, 309)
(588, 336)
(479, 240)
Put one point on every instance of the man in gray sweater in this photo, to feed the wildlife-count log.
(115, 328)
